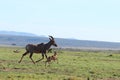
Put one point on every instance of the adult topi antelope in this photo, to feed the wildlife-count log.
(39, 48)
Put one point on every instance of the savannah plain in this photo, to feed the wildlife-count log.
(72, 65)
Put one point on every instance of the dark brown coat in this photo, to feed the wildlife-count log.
(39, 48)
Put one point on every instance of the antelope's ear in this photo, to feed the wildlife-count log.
(50, 39)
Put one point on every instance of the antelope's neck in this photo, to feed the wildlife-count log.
(48, 45)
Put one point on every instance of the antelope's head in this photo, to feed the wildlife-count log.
(52, 41)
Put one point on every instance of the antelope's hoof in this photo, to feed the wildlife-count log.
(36, 61)
(33, 62)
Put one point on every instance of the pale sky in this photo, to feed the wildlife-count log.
(80, 19)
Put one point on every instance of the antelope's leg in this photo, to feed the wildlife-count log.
(45, 55)
(23, 56)
(41, 58)
(31, 57)
(45, 63)
(57, 60)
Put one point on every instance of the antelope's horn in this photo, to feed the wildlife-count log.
(51, 37)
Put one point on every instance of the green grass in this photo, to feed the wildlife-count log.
(102, 65)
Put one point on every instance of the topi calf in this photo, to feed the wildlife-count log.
(50, 58)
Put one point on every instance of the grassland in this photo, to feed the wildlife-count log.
(83, 65)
